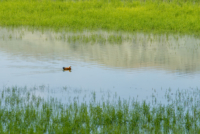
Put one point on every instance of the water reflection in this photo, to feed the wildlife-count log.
(67, 71)
(172, 53)
(101, 60)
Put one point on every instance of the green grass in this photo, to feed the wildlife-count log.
(96, 38)
(22, 111)
(149, 16)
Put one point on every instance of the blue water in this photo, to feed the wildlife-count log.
(130, 69)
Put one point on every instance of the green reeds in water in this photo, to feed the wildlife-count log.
(96, 38)
(22, 111)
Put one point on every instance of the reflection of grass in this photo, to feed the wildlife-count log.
(116, 39)
(175, 16)
(23, 112)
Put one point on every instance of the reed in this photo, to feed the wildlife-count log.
(22, 111)
(146, 16)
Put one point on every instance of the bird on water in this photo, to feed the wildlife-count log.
(67, 68)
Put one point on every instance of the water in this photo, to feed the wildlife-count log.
(141, 64)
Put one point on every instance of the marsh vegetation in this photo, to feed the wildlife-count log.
(23, 111)
(26, 58)
(147, 16)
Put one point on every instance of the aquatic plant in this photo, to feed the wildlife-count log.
(22, 111)
(96, 38)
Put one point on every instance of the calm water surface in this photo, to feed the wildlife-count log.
(132, 66)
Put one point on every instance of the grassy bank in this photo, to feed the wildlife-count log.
(22, 111)
(175, 16)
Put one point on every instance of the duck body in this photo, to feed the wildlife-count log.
(67, 68)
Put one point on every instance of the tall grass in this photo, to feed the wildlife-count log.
(166, 16)
(22, 111)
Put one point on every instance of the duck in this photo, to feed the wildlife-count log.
(67, 68)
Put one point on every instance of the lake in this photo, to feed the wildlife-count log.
(130, 64)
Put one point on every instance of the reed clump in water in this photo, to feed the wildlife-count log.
(96, 38)
(22, 111)
(166, 16)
